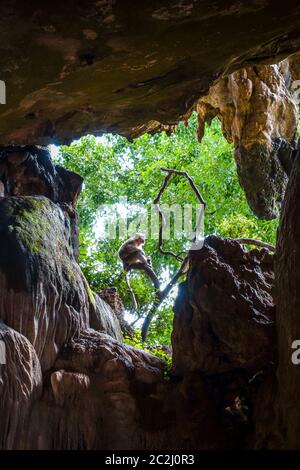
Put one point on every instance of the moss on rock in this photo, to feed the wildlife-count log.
(33, 224)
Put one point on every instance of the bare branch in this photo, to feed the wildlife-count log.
(162, 188)
(161, 295)
(170, 173)
(190, 180)
(253, 241)
(161, 219)
(131, 293)
(160, 238)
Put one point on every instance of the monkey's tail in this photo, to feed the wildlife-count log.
(131, 292)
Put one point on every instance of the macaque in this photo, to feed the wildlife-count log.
(132, 253)
(133, 256)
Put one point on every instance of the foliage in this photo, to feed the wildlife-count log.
(113, 167)
(136, 341)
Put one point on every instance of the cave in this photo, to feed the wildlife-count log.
(67, 380)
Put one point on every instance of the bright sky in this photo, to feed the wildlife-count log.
(54, 149)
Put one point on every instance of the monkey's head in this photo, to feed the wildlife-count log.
(139, 239)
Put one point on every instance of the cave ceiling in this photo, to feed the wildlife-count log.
(78, 67)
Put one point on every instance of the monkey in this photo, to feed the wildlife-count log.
(131, 252)
(132, 255)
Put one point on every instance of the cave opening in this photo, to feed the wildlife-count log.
(120, 179)
(209, 88)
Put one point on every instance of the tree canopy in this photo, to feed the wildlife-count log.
(114, 168)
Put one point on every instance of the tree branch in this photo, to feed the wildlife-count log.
(161, 295)
(170, 173)
(253, 241)
(161, 218)
(131, 293)
(190, 180)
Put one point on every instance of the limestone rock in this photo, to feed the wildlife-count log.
(126, 66)
(103, 318)
(224, 313)
(288, 327)
(29, 171)
(105, 395)
(259, 112)
(103, 399)
(66, 386)
(43, 293)
(20, 386)
(112, 297)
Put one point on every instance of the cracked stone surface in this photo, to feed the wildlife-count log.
(126, 66)
(258, 107)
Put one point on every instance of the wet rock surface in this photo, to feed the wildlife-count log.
(258, 108)
(126, 66)
(78, 388)
(105, 395)
(43, 293)
(224, 313)
(29, 171)
(20, 386)
(288, 329)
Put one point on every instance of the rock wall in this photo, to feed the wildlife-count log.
(45, 299)
(69, 382)
(130, 67)
(20, 386)
(126, 66)
(259, 109)
(225, 302)
(224, 335)
(104, 395)
(43, 293)
(288, 330)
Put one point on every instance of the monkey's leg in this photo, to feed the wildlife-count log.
(131, 259)
(149, 271)
(140, 258)
(141, 262)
